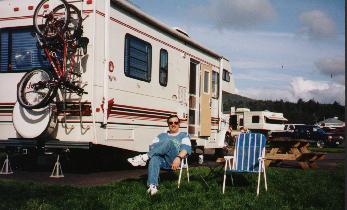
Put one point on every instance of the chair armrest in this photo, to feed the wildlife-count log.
(228, 157)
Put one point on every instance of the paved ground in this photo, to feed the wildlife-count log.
(99, 178)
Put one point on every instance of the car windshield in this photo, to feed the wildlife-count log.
(319, 130)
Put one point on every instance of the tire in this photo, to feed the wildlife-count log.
(29, 93)
(320, 144)
(46, 21)
(74, 28)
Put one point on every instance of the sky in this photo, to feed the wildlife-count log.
(278, 49)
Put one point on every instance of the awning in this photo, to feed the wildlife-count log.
(280, 118)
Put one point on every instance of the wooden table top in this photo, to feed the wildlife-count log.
(288, 139)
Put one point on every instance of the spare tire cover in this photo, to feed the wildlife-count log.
(31, 123)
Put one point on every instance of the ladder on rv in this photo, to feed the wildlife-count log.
(71, 99)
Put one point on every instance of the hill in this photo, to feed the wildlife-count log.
(308, 112)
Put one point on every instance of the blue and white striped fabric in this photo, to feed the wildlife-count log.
(249, 148)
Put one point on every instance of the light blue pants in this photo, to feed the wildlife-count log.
(161, 155)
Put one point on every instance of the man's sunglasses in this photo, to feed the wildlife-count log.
(171, 123)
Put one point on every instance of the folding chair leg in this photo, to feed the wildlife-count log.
(232, 180)
(258, 180)
(224, 181)
(264, 176)
(225, 173)
(187, 169)
(180, 176)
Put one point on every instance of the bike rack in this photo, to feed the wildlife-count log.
(76, 79)
(68, 129)
(84, 128)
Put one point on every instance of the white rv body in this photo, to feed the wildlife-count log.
(124, 111)
(257, 120)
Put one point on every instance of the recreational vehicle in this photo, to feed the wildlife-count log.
(258, 121)
(133, 71)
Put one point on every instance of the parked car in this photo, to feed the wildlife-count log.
(310, 132)
(291, 127)
(336, 134)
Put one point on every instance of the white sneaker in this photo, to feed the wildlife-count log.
(152, 190)
(139, 160)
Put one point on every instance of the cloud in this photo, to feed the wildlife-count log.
(235, 13)
(268, 94)
(317, 25)
(321, 91)
(333, 67)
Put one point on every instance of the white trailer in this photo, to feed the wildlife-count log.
(259, 121)
(136, 70)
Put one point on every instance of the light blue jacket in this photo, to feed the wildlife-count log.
(181, 140)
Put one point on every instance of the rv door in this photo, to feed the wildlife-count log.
(205, 100)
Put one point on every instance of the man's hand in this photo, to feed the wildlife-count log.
(176, 163)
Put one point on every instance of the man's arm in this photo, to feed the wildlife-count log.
(185, 149)
(176, 163)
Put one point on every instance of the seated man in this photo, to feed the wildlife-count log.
(166, 152)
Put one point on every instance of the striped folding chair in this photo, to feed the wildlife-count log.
(249, 155)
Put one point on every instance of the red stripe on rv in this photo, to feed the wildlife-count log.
(142, 108)
(7, 103)
(139, 115)
(156, 39)
(31, 16)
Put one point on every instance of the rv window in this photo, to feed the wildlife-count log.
(206, 81)
(226, 75)
(137, 58)
(192, 78)
(163, 67)
(272, 121)
(255, 119)
(215, 84)
(18, 50)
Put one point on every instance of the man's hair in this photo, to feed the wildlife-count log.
(173, 116)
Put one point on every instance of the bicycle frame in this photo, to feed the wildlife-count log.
(59, 65)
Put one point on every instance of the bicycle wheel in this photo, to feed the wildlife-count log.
(50, 22)
(36, 89)
(74, 27)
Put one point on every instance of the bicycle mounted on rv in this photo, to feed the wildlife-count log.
(59, 33)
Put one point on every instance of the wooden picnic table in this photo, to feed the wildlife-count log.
(285, 148)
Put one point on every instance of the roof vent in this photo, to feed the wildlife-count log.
(181, 31)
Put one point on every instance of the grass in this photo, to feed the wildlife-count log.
(288, 189)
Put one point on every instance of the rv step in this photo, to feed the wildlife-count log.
(24, 143)
(50, 144)
(55, 144)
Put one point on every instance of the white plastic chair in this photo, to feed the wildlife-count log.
(184, 165)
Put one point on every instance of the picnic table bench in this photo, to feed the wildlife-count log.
(285, 148)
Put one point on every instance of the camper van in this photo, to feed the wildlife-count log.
(257, 121)
(135, 72)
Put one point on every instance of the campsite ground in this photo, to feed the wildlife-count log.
(289, 187)
(331, 161)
